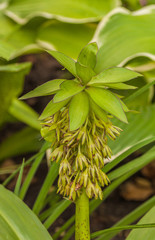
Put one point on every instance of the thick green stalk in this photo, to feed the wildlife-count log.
(82, 228)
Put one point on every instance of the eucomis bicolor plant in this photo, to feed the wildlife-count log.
(77, 120)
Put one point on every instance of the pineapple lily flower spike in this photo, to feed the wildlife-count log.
(77, 120)
(77, 123)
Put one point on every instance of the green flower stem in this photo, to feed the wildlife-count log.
(82, 228)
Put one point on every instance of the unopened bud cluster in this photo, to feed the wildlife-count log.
(81, 153)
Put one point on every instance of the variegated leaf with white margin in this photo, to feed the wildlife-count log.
(67, 38)
(77, 11)
(123, 35)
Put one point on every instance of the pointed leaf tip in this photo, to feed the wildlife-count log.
(114, 75)
(52, 108)
(108, 102)
(64, 60)
(68, 89)
(47, 88)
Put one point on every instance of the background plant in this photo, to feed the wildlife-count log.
(18, 38)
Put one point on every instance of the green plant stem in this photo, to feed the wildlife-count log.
(82, 228)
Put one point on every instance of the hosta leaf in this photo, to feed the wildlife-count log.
(44, 89)
(68, 10)
(9, 25)
(17, 220)
(99, 112)
(65, 37)
(52, 108)
(107, 101)
(87, 56)
(21, 40)
(84, 73)
(78, 110)
(65, 61)
(5, 50)
(68, 89)
(134, 37)
(114, 75)
(120, 86)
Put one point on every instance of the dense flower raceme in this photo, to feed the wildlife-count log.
(77, 121)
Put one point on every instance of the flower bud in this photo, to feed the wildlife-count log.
(65, 167)
(92, 173)
(57, 153)
(91, 147)
(90, 189)
(98, 191)
(104, 177)
(81, 160)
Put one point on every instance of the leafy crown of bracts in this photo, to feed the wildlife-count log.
(77, 120)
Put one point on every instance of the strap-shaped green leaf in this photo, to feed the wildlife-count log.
(84, 73)
(78, 110)
(17, 220)
(116, 229)
(107, 101)
(52, 108)
(65, 61)
(87, 56)
(68, 89)
(44, 89)
(114, 75)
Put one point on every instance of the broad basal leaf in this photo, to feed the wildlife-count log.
(68, 89)
(44, 89)
(113, 75)
(65, 37)
(68, 10)
(84, 73)
(87, 56)
(52, 108)
(17, 220)
(65, 61)
(124, 35)
(21, 40)
(144, 233)
(9, 25)
(107, 101)
(78, 110)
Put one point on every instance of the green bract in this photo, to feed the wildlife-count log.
(88, 91)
